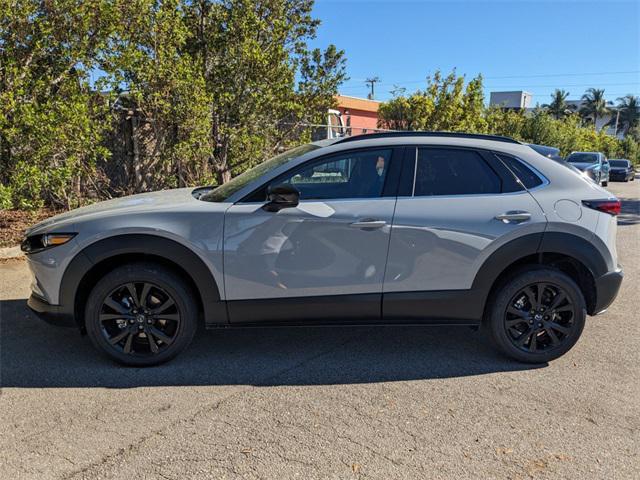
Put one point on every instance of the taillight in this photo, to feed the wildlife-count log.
(612, 207)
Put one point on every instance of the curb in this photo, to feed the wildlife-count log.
(11, 253)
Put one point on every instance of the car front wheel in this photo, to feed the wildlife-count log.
(537, 315)
(141, 314)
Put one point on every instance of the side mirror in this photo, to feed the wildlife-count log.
(281, 196)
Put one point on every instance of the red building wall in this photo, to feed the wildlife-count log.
(360, 112)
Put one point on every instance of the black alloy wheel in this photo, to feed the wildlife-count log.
(536, 315)
(141, 314)
(139, 318)
(539, 317)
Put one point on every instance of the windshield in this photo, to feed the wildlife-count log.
(583, 158)
(221, 193)
(619, 163)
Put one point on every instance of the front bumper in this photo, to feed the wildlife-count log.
(620, 176)
(607, 287)
(53, 314)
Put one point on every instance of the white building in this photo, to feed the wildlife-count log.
(516, 100)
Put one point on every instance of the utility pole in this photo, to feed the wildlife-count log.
(371, 81)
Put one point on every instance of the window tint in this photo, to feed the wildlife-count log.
(352, 175)
(580, 157)
(619, 163)
(528, 178)
(443, 171)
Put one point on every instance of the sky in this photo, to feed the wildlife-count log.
(516, 45)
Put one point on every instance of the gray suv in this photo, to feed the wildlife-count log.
(382, 229)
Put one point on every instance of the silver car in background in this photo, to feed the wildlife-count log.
(384, 229)
(594, 165)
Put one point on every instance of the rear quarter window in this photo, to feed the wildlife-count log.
(525, 174)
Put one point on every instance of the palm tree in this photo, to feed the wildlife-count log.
(594, 105)
(628, 113)
(558, 106)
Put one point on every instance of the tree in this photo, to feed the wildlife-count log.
(52, 122)
(164, 92)
(594, 105)
(249, 52)
(558, 106)
(445, 104)
(627, 114)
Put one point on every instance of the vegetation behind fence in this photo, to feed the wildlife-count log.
(101, 98)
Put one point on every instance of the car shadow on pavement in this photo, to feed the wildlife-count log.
(629, 212)
(34, 354)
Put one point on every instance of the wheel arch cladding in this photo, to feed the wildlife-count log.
(558, 249)
(105, 255)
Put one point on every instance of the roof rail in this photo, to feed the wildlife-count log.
(478, 136)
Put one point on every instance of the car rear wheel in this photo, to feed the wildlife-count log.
(141, 314)
(605, 183)
(537, 315)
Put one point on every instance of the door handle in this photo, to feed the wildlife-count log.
(514, 216)
(368, 223)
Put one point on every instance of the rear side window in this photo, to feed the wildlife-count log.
(527, 176)
(442, 171)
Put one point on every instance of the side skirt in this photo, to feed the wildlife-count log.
(435, 308)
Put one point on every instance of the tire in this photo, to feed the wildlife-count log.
(556, 331)
(605, 184)
(148, 330)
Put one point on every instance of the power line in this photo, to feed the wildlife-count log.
(544, 75)
(372, 81)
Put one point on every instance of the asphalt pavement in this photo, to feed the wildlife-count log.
(325, 403)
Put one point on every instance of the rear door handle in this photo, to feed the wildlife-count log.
(514, 216)
(368, 223)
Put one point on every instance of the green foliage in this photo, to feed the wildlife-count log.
(558, 106)
(447, 104)
(594, 105)
(188, 93)
(51, 122)
(249, 53)
(6, 200)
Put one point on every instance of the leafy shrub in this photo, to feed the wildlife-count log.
(6, 201)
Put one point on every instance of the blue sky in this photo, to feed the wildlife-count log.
(516, 45)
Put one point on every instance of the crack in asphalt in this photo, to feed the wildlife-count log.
(134, 447)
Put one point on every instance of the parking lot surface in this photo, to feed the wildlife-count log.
(325, 403)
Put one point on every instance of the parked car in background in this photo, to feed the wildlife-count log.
(550, 152)
(621, 170)
(594, 165)
(399, 228)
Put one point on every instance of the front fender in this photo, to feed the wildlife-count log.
(144, 244)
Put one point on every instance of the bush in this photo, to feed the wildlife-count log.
(5, 198)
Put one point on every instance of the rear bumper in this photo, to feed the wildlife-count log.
(52, 314)
(607, 287)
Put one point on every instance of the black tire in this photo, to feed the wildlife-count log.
(605, 184)
(555, 330)
(164, 322)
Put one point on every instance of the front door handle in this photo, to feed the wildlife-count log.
(368, 223)
(514, 216)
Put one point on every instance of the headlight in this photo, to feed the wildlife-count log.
(37, 243)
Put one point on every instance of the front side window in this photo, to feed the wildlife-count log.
(221, 193)
(442, 171)
(348, 175)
